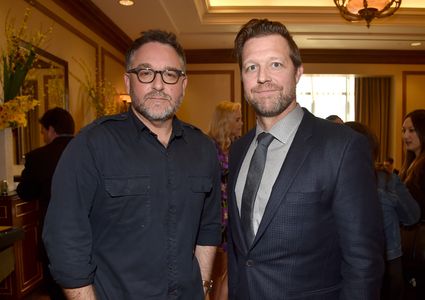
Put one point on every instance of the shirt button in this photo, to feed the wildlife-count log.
(249, 263)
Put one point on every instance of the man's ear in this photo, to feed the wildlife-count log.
(300, 71)
(184, 85)
(127, 83)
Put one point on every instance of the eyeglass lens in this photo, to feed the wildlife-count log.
(168, 76)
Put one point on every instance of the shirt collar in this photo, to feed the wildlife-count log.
(285, 127)
(178, 129)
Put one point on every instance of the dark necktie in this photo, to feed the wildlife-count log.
(253, 179)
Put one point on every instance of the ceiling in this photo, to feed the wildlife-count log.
(315, 24)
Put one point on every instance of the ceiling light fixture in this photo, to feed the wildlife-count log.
(126, 2)
(357, 10)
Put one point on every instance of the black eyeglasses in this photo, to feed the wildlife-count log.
(147, 75)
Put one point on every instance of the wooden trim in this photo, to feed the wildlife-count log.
(91, 16)
(210, 56)
(95, 19)
(363, 56)
(404, 87)
(73, 30)
(204, 56)
(223, 72)
(105, 53)
(60, 21)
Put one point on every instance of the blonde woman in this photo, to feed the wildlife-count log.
(226, 126)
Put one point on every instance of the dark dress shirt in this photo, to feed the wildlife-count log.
(127, 213)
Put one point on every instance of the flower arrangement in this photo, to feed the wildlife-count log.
(102, 94)
(17, 59)
(13, 113)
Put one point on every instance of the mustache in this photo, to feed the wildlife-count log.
(265, 87)
(155, 94)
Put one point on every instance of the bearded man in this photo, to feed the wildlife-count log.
(135, 208)
(304, 217)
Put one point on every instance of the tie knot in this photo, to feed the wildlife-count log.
(265, 139)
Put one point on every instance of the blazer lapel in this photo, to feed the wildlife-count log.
(297, 154)
(237, 158)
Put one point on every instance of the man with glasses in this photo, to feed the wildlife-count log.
(135, 198)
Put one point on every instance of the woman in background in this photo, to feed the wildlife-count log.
(398, 207)
(413, 175)
(226, 126)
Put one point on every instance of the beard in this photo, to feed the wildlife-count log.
(274, 105)
(150, 112)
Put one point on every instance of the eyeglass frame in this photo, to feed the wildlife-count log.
(136, 71)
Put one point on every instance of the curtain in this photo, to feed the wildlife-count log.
(372, 108)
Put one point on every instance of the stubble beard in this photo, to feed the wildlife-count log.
(140, 105)
(272, 106)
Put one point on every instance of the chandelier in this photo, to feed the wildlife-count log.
(357, 10)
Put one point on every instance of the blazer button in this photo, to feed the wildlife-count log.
(249, 263)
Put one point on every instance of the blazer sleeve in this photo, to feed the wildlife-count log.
(359, 221)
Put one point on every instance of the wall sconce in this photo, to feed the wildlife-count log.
(125, 98)
(357, 10)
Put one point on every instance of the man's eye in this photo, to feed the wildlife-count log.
(171, 74)
(251, 68)
(277, 65)
(145, 72)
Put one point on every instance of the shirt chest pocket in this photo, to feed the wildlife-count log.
(200, 187)
(128, 202)
(200, 184)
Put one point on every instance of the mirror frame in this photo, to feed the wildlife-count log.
(27, 138)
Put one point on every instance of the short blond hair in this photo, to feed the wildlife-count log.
(219, 127)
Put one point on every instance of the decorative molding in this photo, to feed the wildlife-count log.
(40, 7)
(404, 87)
(353, 56)
(221, 72)
(105, 53)
(3, 212)
(91, 16)
(416, 57)
(95, 19)
(25, 208)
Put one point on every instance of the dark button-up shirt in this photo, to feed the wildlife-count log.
(127, 213)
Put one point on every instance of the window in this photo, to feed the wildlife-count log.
(325, 95)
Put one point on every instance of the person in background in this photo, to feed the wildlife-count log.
(57, 129)
(135, 208)
(313, 229)
(412, 174)
(389, 165)
(226, 127)
(398, 207)
(335, 119)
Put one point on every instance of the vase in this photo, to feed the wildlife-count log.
(6, 156)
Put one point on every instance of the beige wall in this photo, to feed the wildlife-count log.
(208, 83)
(72, 42)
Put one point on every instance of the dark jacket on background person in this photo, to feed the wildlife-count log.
(40, 164)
